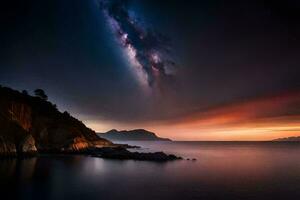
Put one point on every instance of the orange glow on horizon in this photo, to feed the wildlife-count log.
(265, 118)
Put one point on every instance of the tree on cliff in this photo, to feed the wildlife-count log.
(41, 94)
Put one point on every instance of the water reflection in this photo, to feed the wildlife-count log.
(20, 169)
(222, 171)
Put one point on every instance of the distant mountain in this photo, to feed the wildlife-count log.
(132, 135)
(288, 139)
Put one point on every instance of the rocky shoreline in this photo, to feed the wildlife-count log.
(32, 126)
(121, 153)
(114, 152)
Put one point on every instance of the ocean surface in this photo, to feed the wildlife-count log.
(223, 170)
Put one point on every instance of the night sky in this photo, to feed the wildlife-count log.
(207, 69)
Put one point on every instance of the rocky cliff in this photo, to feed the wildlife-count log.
(30, 124)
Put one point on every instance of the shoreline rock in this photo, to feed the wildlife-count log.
(27, 146)
(127, 146)
(7, 148)
(116, 153)
(121, 153)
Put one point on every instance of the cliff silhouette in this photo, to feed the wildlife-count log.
(288, 139)
(31, 124)
(132, 135)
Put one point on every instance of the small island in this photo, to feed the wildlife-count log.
(131, 135)
(288, 139)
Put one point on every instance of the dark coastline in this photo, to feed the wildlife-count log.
(118, 153)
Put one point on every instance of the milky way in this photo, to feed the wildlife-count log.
(148, 51)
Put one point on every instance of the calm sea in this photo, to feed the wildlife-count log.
(223, 170)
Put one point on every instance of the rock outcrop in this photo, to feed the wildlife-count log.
(288, 139)
(30, 124)
(7, 148)
(27, 145)
(21, 114)
(121, 153)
